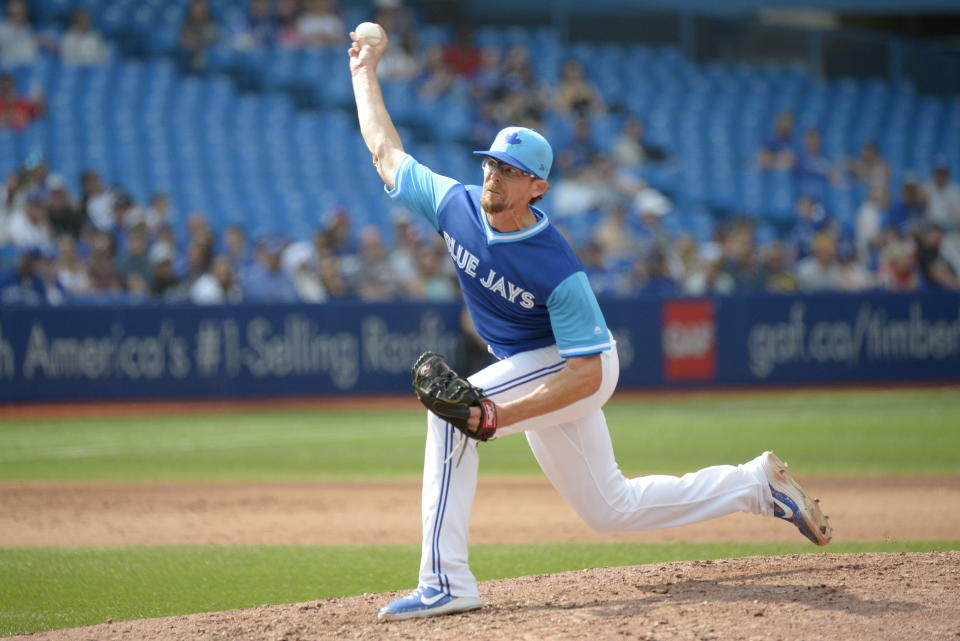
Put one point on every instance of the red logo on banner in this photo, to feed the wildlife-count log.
(689, 341)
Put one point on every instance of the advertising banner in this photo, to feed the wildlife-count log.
(102, 353)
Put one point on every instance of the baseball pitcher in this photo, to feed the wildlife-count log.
(531, 302)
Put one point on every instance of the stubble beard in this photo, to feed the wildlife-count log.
(489, 205)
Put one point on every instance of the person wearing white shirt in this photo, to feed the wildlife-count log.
(81, 44)
(943, 198)
(18, 42)
(319, 24)
(217, 286)
(29, 228)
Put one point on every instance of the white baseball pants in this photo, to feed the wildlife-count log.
(573, 447)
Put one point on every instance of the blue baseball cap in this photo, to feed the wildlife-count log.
(522, 148)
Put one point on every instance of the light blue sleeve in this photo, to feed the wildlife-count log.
(419, 189)
(575, 316)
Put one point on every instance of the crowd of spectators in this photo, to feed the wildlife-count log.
(100, 244)
(904, 237)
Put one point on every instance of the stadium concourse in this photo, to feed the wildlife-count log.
(207, 152)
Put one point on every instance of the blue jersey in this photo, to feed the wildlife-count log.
(524, 289)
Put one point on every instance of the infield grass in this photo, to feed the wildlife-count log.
(849, 433)
(49, 588)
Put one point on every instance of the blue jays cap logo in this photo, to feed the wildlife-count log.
(522, 148)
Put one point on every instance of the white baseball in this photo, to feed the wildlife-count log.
(369, 33)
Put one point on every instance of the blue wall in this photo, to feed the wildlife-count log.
(342, 349)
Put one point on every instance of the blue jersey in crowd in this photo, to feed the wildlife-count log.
(524, 289)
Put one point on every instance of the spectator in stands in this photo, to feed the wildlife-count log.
(375, 279)
(394, 16)
(101, 266)
(288, 12)
(81, 44)
(898, 263)
(34, 173)
(779, 150)
(854, 275)
(575, 95)
(942, 197)
(462, 56)
(683, 257)
(17, 111)
(870, 168)
(632, 150)
(134, 260)
(29, 227)
(780, 278)
(651, 277)
(606, 283)
(266, 281)
(576, 154)
(596, 186)
(198, 32)
(617, 237)
(820, 271)
(868, 231)
(331, 276)
(652, 206)
(709, 278)
(517, 93)
(437, 78)
(165, 283)
(401, 61)
(906, 214)
(935, 269)
(18, 41)
(337, 233)
(96, 200)
(71, 271)
(66, 218)
(165, 245)
(199, 231)
(403, 256)
(320, 24)
(299, 263)
(199, 256)
(235, 248)
(742, 260)
(8, 203)
(436, 285)
(125, 214)
(811, 219)
(813, 172)
(218, 285)
(255, 29)
(23, 285)
(159, 213)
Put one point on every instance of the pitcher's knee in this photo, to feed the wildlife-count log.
(606, 522)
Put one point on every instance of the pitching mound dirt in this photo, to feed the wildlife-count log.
(875, 597)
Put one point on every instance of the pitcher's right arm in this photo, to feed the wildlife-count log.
(376, 126)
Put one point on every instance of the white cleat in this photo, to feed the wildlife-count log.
(792, 504)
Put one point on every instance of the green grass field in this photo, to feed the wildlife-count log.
(850, 433)
(899, 432)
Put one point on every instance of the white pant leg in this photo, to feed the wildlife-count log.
(449, 485)
(578, 459)
(449, 482)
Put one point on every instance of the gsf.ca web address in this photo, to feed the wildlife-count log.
(872, 336)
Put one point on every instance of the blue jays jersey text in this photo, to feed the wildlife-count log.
(524, 289)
